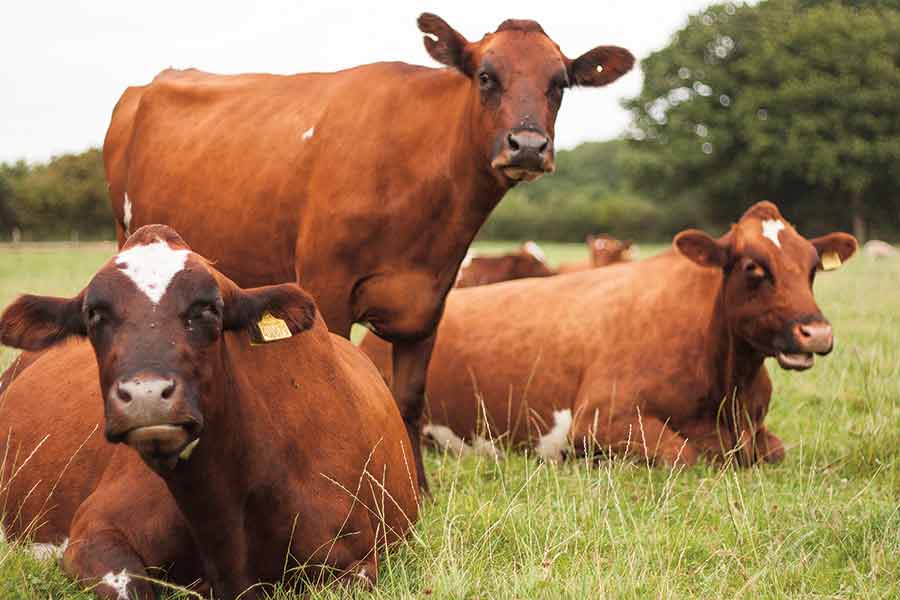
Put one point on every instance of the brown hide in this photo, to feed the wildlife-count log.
(301, 442)
(363, 184)
(661, 357)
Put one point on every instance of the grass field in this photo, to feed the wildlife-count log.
(824, 524)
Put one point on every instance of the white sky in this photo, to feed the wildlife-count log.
(64, 63)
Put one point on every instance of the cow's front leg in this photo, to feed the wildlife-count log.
(410, 370)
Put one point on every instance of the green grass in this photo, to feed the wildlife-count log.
(824, 524)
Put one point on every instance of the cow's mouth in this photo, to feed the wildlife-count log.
(521, 174)
(795, 361)
(163, 446)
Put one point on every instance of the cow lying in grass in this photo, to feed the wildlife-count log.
(278, 455)
(662, 358)
(527, 261)
(603, 250)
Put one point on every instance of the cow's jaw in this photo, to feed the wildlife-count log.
(795, 361)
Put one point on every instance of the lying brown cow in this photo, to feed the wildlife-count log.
(365, 185)
(287, 449)
(603, 250)
(663, 357)
(528, 261)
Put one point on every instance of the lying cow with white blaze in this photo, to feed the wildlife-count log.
(661, 358)
(270, 442)
(528, 261)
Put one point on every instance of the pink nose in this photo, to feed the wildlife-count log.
(814, 337)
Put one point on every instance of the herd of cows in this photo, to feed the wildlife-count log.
(239, 424)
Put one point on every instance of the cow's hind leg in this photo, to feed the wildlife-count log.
(106, 561)
(641, 436)
(410, 370)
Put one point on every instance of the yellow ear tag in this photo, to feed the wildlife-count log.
(271, 328)
(831, 260)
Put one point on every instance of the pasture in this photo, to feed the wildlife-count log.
(823, 524)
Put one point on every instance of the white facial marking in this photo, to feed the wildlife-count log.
(550, 445)
(126, 217)
(770, 229)
(152, 266)
(535, 250)
(118, 582)
(48, 551)
(309, 132)
(445, 438)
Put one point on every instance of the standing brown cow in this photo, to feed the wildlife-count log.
(366, 185)
(527, 261)
(287, 454)
(663, 357)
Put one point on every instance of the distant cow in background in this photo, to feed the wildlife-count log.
(603, 250)
(366, 185)
(528, 261)
(252, 439)
(660, 358)
(879, 249)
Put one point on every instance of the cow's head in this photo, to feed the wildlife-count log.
(530, 261)
(607, 250)
(154, 315)
(518, 76)
(768, 288)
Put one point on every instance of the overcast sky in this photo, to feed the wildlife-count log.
(63, 64)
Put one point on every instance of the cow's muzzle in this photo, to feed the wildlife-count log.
(807, 338)
(524, 155)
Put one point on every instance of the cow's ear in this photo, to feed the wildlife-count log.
(600, 66)
(841, 244)
(702, 249)
(37, 322)
(245, 308)
(443, 43)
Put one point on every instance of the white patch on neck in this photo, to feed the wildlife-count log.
(535, 250)
(126, 216)
(152, 266)
(551, 445)
(445, 438)
(309, 133)
(48, 551)
(770, 229)
(118, 582)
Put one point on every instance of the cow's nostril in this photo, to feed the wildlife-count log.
(513, 144)
(803, 331)
(168, 391)
(122, 394)
(543, 147)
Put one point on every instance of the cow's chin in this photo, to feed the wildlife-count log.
(795, 361)
(520, 175)
(161, 447)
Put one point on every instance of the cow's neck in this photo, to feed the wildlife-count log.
(733, 363)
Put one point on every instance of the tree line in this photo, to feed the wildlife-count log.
(795, 101)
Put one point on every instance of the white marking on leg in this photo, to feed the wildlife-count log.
(152, 266)
(126, 216)
(550, 446)
(770, 229)
(118, 582)
(44, 551)
(447, 439)
(535, 250)
(309, 133)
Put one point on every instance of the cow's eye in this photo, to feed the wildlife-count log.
(203, 311)
(95, 318)
(755, 272)
(485, 79)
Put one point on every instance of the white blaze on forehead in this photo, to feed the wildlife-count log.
(44, 551)
(151, 267)
(535, 250)
(551, 445)
(309, 132)
(126, 217)
(118, 582)
(770, 229)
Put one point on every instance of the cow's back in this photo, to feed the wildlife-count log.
(52, 440)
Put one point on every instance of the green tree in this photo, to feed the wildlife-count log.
(797, 101)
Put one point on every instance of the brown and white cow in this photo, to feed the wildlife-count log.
(603, 250)
(662, 357)
(528, 261)
(366, 185)
(236, 456)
